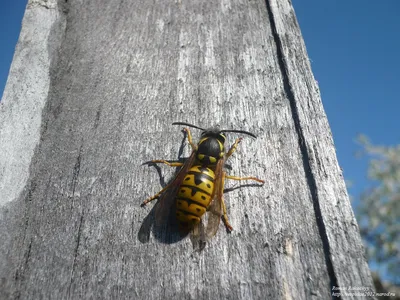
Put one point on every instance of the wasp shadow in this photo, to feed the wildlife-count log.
(166, 230)
(231, 189)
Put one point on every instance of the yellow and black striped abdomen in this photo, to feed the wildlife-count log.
(194, 195)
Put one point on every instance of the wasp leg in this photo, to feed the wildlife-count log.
(224, 176)
(244, 178)
(233, 147)
(189, 137)
(171, 164)
(156, 196)
(225, 215)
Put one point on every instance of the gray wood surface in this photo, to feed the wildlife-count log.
(106, 80)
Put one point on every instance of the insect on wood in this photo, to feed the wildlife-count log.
(198, 186)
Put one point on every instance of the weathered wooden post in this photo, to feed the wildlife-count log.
(92, 93)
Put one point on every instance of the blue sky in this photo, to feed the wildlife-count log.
(11, 13)
(354, 49)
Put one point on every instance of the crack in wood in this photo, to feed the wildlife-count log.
(77, 168)
(98, 115)
(19, 272)
(76, 252)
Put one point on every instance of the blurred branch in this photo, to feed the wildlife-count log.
(378, 211)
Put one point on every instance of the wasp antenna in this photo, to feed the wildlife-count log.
(240, 131)
(187, 124)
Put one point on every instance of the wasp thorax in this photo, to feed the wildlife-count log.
(211, 149)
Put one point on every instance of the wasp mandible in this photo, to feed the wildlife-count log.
(198, 187)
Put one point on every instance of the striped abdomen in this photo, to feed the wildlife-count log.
(194, 195)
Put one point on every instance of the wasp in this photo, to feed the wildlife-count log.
(198, 186)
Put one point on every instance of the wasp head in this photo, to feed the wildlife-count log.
(211, 146)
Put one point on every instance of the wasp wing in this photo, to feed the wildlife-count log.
(215, 208)
(198, 237)
(167, 199)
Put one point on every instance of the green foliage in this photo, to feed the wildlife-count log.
(378, 211)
